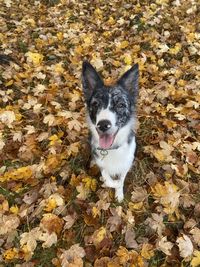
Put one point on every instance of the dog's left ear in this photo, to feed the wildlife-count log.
(129, 80)
(90, 79)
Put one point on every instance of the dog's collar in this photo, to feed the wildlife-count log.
(104, 152)
(111, 148)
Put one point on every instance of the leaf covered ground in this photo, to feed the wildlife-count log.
(53, 210)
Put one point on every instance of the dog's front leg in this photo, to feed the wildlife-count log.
(118, 185)
(119, 190)
(108, 181)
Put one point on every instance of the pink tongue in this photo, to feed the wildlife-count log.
(106, 140)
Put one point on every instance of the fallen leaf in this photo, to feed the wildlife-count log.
(195, 262)
(185, 246)
(165, 246)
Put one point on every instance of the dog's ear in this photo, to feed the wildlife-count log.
(90, 79)
(129, 80)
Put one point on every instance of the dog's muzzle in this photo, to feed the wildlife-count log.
(106, 136)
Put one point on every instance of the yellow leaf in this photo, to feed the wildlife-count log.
(9, 83)
(158, 153)
(128, 59)
(23, 173)
(50, 205)
(147, 251)
(59, 36)
(99, 235)
(27, 254)
(135, 206)
(124, 44)
(10, 254)
(195, 262)
(93, 185)
(88, 40)
(31, 22)
(90, 183)
(176, 49)
(53, 162)
(35, 58)
(95, 212)
(116, 63)
(58, 68)
(111, 21)
(54, 140)
(14, 209)
(78, 50)
(123, 255)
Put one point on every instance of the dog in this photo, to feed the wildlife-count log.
(111, 120)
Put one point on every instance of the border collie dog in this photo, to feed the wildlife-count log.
(111, 119)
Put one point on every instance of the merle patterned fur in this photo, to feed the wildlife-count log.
(121, 96)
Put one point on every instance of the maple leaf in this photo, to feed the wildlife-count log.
(139, 194)
(147, 251)
(30, 239)
(98, 63)
(48, 238)
(168, 196)
(115, 220)
(72, 256)
(14, 209)
(83, 192)
(69, 221)
(123, 255)
(34, 57)
(195, 262)
(23, 173)
(53, 201)
(102, 262)
(10, 254)
(156, 223)
(17, 136)
(130, 239)
(196, 235)
(165, 246)
(49, 119)
(185, 246)
(51, 223)
(163, 154)
(7, 117)
(90, 183)
(30, 129)
(98, 236)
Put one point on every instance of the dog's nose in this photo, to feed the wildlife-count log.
(103, 125)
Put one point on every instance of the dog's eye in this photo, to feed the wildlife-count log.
(121, 105)
(95, 104)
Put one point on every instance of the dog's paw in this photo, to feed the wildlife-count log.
(110, 184)
(103, 185)
(119, 195)
(106, 182)
(92, 163)
(102, 179)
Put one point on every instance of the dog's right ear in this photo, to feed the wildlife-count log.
(90, 79)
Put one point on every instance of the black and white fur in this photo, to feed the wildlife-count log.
(111, 119)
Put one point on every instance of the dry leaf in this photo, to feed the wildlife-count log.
(185, 246)
(195, 262)
(165, 246)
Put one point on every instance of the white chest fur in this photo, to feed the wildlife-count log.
(117, 161)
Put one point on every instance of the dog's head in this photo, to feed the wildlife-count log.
(110, 108)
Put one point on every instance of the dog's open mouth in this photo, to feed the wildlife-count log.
(106, 140)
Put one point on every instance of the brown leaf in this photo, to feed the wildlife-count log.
(51, 223)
